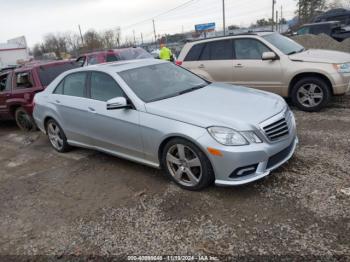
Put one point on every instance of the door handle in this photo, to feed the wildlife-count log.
(238, 66)
(58, 101)
(7, 95)
(92, 110)
(201, 66)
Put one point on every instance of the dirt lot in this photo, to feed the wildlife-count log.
(89, 203)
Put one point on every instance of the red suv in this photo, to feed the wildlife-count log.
(18, 87)
(112, 56)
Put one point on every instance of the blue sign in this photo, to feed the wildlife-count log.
(205, 27)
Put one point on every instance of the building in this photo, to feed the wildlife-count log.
(13, 52)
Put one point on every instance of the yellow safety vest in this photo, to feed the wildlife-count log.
(165, 54)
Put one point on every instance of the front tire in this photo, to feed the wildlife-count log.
(311, 94)
(24, 121)
(187, 165)
(57, 137)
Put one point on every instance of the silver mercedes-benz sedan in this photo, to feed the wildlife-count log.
(164, 116)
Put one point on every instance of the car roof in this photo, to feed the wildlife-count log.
(323, 23)
(110, 51)
(35, 64)
(248, 34)
(115, 67)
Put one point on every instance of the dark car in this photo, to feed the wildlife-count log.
(331, 28)
(339, 14)
(112, 56)
(18, 87)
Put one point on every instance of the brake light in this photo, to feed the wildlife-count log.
(178, 62)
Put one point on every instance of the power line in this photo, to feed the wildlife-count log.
(161, 14)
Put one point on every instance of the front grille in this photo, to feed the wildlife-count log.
(279, 157)
(278, 129)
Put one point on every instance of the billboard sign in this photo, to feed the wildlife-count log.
(205, 27)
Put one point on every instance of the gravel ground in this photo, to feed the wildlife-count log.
(322, 41)
(86, 203)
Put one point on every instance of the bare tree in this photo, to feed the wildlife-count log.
(92, 40)
(338, 4)
(73, 43)
(111, 38)
(309, 8)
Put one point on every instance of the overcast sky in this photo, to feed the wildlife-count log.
(35, 18)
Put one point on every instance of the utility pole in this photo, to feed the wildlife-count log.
(81, 36)
(281, 20)
(299, 13)
(277, 20)
(154, 30)
(273, 15)
(141, 38)
(223, 16)
(133, 31)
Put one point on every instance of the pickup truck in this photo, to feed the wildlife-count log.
(331, 28)
(18, 87)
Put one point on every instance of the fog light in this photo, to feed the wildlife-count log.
(244, 171)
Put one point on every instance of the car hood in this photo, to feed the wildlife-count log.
(321, 56)
(219, 104)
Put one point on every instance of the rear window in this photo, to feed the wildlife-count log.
(194, 53)
(111, 58)
(48, 73)
(132, 54)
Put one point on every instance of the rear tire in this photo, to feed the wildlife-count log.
(311, 94)
(24, 121)
(187, 165)
(57, 136)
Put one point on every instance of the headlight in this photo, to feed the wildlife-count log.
(229, 137)
(342, 68)
(252, 137)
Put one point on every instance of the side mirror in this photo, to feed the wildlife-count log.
(117, 103)
(269, 56)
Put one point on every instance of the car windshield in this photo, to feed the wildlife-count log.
(161, 81)
(284, 44)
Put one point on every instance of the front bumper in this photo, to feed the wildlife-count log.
(341, 83)
(261, 172)
(230, 167)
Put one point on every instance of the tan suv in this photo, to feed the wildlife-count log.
(271, 62)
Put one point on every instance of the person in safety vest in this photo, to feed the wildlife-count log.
(165, 53)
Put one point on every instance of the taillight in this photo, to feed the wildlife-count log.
(178, 62)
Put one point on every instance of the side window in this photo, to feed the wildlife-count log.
(303, 31)
(92, 60)
(316, 30)
(4, 85)
(23, 80)
(59, 89)
(218, 50)
(80, 61)
(221, 50)
(205, 53)
(74, 85)
(111, 58)
(194, 53)
(249, 49)
(104, 87)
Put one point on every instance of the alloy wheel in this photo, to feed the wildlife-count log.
(184, 165)
(55, 136)
(310, 95)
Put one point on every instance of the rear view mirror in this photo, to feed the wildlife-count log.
(117, 103)
(269, 56)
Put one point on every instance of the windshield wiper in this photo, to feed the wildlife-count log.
(295, 52)
(192, 89)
